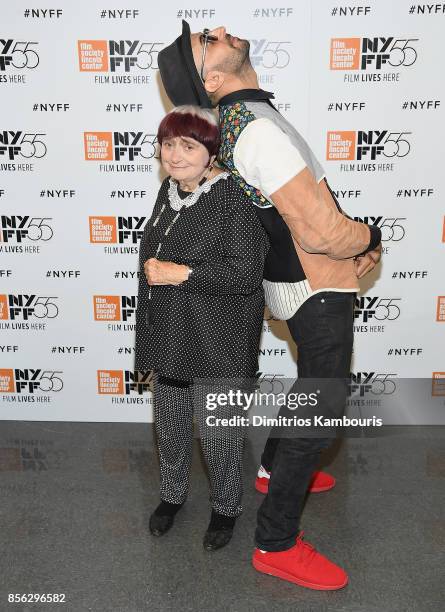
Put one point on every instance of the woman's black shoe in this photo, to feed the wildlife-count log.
(219, 532)
(160, 524)
(163, 518)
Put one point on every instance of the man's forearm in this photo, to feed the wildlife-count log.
(317, 225)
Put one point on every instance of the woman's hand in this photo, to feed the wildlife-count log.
(165, 272)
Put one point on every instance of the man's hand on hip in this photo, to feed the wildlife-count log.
(365, 263)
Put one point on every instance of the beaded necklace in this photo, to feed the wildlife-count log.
(179, 204)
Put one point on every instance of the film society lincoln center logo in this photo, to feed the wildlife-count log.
(117, 55)
(123, 382)
(117, 231)
(376, 149)
(30, 380)
(119, 146)
(114, 307)
(440, 314)
(438, 384)
(374, 53)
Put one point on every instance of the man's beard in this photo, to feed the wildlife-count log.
(243, 54)
(238, 60)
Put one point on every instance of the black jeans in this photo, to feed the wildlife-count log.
(323, 331)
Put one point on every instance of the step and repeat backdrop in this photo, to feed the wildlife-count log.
(81, 100)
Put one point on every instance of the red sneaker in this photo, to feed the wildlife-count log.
(320, 481)
(303, 565)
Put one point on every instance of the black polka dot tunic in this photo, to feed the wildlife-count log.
(209, 325)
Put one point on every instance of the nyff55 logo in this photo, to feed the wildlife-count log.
(109, 230)
(17, 54)
(25, 144)
(376, 52)
(123, 382)
(372, 382)
(381, 309)
(392, 227)
(115, 56)
(18, 228)
(16, 307)
(366, 144)
(114, 307)
(268, 54)
(116, 146)
(29, 380)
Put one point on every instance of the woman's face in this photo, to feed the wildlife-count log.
(184, 158)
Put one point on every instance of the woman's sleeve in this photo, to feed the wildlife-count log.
(240, 269)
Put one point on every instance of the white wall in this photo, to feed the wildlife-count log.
(51, 355)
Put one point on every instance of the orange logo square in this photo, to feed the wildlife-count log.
(103, 229)
(438, 386)
(341, 145)
(98, 146)
(110, 382)
(93, 55)
(107, 307)
(4, 312)
(440, 308)
(345, 54)
(7, 380)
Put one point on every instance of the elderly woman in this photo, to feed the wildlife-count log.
(199, 315)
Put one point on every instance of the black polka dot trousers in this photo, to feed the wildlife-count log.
(176, 403)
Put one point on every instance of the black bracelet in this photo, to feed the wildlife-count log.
(375, 240)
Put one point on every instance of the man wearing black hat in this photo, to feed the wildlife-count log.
(317, 254)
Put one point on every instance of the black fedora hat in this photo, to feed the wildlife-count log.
(179, 74)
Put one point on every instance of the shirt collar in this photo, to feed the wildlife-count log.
(246, 94)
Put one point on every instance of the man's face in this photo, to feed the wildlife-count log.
(228, 53)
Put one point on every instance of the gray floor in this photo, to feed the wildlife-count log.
(76, 499)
